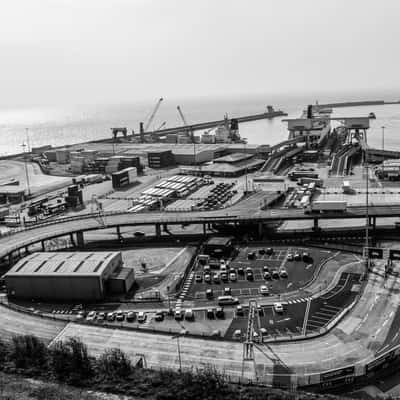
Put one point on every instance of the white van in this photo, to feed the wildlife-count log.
(227, 300)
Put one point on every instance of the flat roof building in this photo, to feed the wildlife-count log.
(62, 276)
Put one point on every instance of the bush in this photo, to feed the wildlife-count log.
(70, 361)
(114, 363)
(28, 351)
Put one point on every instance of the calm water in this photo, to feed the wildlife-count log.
(67, 125)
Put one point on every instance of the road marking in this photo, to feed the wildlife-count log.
(306, 317)
(59, 335)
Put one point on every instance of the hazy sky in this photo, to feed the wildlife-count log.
(99, 51)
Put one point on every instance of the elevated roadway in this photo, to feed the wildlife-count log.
(237, 215)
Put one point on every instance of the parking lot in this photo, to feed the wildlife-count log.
(276, 271)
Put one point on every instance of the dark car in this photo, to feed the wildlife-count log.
(240, 271)
(270, 251)
(261, 251)
(209, 293)
(249, 275)
(275, 274)
(219, 312)
(159, 316)
(251, 255)
(210, 313)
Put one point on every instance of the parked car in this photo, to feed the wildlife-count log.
(198, 278)
(141, 317)
(251, 255)
(159, 316)
(264, 290)
(267, 276)
(130, 317)
(110, 316)
(178, 315)
(219, 312)
(306, 257)
(91, 316)
(207, 278)
(275, 274)
(189, 314)
(278, 308)
(260, 310)
(216, 278)
(261, 251)
(265, 268)
(224, 277)
(297, 257)
(290, 257)
(249, 275)
(210, 313)
(240, 271)
(270, 251)
(227, 291)
(237, 334)
(120, 316)
(239, 310)
(101, 317)
(232, 276)
(283, 273)
(209, 293)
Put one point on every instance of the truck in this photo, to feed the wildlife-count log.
(305, 180)
(295, 175)
(321, 206)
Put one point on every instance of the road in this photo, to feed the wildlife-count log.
(237, 213)
(357, 338)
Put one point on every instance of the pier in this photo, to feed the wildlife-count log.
(211, 124)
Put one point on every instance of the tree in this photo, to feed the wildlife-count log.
(114, 363)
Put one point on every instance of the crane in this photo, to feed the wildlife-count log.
(151, 118)
(161, 126)
(185, 123)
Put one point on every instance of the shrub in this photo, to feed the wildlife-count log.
(114, 363)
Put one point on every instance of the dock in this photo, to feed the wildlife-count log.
(212, 124)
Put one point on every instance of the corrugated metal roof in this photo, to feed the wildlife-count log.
(63, 263)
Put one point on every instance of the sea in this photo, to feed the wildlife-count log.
(62, 125)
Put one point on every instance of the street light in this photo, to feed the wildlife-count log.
(383, 139)
(181, 333)
(26, 170)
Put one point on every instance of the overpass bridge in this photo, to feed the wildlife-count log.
(75, 227)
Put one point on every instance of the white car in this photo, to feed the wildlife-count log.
(141, 317)
(264, 290)
(91, 316)
(233, 277)
(278, 307)
(283, 273)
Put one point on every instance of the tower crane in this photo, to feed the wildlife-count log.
(153, 114)
(185, 123)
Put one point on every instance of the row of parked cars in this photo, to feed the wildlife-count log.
(219, 195)
(120, 316)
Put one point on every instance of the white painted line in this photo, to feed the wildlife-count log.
(59, 335)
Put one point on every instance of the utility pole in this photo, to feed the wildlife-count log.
(26, 170)
(383, 139)
(27, 140)
(366, 255)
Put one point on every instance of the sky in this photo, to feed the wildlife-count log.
(110, 51)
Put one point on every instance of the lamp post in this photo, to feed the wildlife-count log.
(181, 333)
(383, 139)
(26, 170)
(366, 255)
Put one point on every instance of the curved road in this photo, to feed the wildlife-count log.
(238, 213)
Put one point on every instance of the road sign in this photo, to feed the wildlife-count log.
(375, 252)
(394, 255)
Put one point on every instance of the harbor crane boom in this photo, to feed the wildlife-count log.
(153, 114)
(184, 122)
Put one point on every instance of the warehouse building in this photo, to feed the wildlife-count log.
(66, 276)
(190, 156)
